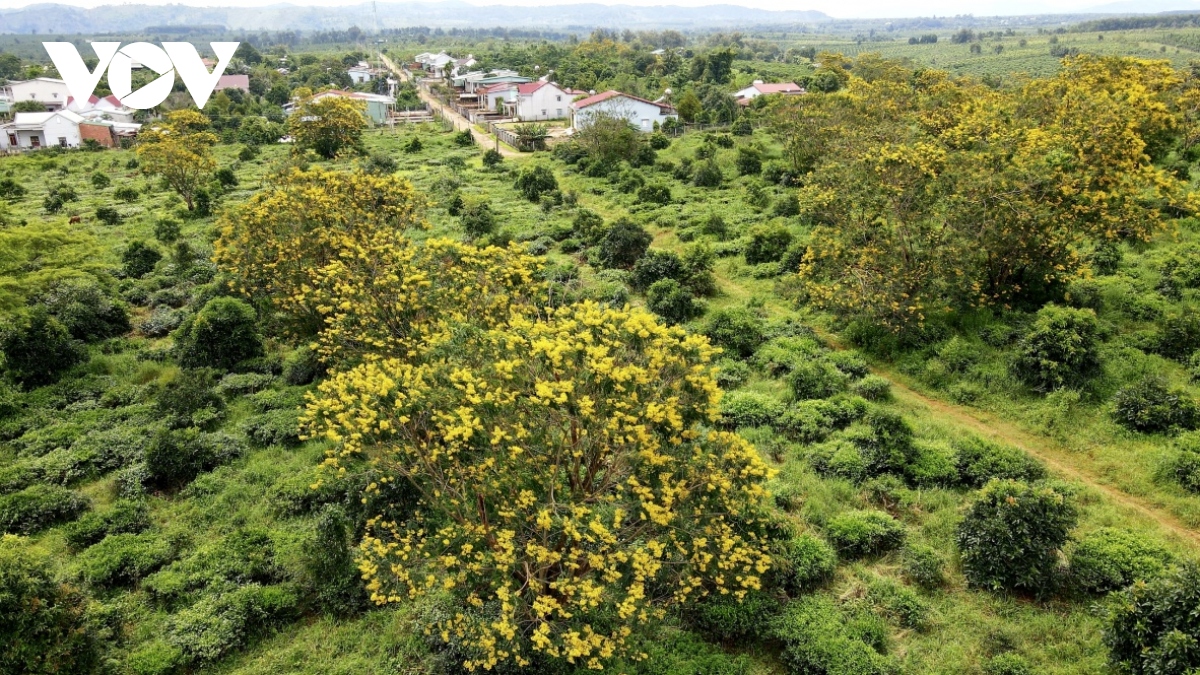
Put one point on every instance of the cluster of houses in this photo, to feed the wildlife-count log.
(65, 122)
(503, 94)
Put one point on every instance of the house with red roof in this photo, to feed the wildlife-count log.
(107, 108)
(760, 88)
(539, 101)
(643, 114)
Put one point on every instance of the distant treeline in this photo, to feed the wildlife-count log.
(1136, 22)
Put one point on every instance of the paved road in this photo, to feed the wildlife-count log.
(483, 139)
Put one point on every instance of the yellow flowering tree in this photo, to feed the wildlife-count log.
(328, 126)
(570, 486)
(179, 149)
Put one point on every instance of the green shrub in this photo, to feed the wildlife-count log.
(37, 349)
(155, 658)
(1011, 535)
(811, 421)
(43, 624)
(125, 517)
(302, 366)
(86, 311)
(885, 440)
(674, 303)
(1149, 406)
(929, 466)
(175, 457)
(623, 244)
(1061, 349)
(708, 175)
(1154, 627)
(1179, 335)
(873, 388)
(477, 218)
(1109, 559)
(39, 506)
(109, 215)
(1007, 664)
(139, 259)
(671, 652)
(979, 461)
(167, 231)
(189, 398)
(749, 161)
(654, 193)
(732, 374)
(11, 190)
(738, 331)
(861, 533)
(766, 243)
(922, 565)
(122, 559)
(656, 265)
(220, 624)
(329, 563)
(818, 637)
(492, 158)
(714, 225)
(749, 409)
(802, 563)
(100, 180)
(277, 427)
(898, 602)
(535, 181)
(222, 334)
(815, 378)
(659, 141)
(727, 619)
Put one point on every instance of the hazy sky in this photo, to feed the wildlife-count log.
(836, 8)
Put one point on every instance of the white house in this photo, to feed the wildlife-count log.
(537, 101)
(760, 88)
(435, 64)
(107, 108)
(51, 93)
(29, 131)
(363, 72)
(641, 113)
(496, 97)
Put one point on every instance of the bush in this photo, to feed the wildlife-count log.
(86, 311)
(329, 563)
(767, 243)
(302, 366)
(623, 244)
(39, 506)
(1011, 536)
(1109, 559)
(125, 517)
(38, 349)
(1154, 627)
(11, 190)
(277, 427)
(815, 378)
(222, 334)
(1149, 406)
(749, 161)
(728, 619)
(715, 226)
(979, 461)
(122, 559)
(671, 301)
(1179, 336)
(802, 564)
(654, 193)
(818, 637)
(492, 158)
(464, 138)
(189, 399)
(898, 602)
(738, 331)
(1061, 349)
(749, 409)
(477, 218)
(220, 624)
(861, 533)
(533, 182)
(873, 388)
(922, 566)
(43, 624)
(708, 175)
(811, 421)
(167, 231)
(139, 259)
(1007, 664)
(659, 141)
(656, 265)
(1184, 465)
(100, 180)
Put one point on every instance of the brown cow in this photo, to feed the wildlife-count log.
(76, 219)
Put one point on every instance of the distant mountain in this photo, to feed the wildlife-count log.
(1144, 7)
(54, 18)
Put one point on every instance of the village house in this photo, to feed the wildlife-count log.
(643, 114)
(493, 78)
(107, 108)
(241, 82)
(49, 92)
(363, 72)
(378, 106)
(435, 65)
(539, 101)
(61, 128)
(759, 88)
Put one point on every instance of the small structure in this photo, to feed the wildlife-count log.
(61, 128)
(643, 114)
(48, 91)
(363, 72)
(493, 78)
(241, 82)
(108, 108)
(759, 88)
(435, 65)
(539, 101)
(379, 107)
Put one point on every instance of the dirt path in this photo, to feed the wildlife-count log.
(458, 121)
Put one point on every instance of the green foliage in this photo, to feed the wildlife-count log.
(819, 637)
(815, 378)
(898, 602)
(1179, 335)
(654, 193)
(738, 331)
(1061, 349)
(220, 624)
(767, 243)
(922, 566)
(728, 619)
(176, 457)
(108, 215)
(873, 388)
(39, 506)
(11, 190)
(38, 349)
(623, 244)
(44, 629)
(302, 366)
(856, 534)
(1150, 406)
(477, 218)
(811, 421)
(1007, 663)
(139, 259)
(1154, 627)
(979, 461)
(749, 161)
(708, 175)
(277, 427)
(492, 158)
(189, 398)
(86, 310)
(124, 559)
(464, 139)
(124, 517)
(1010, 537)
(674, 303)
(749, 409)
(100, 180)
(329, 563)
(535, 181)
(1109, 559)
(167, 231)
(222, 334)
(802, 563)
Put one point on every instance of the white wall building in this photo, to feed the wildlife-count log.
(51, 93)
(539, 101)
(641, 113)
(29, 131)
(760, 88)
(107, 108)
